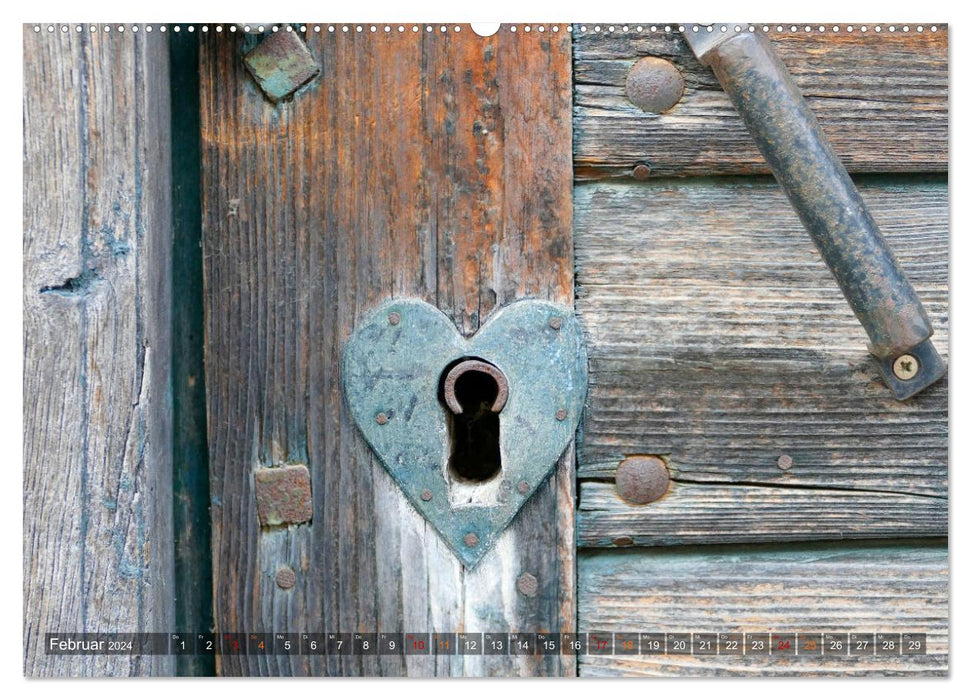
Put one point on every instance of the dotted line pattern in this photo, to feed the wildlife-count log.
(541, 28)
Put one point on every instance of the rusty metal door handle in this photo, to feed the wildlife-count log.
(824, 196)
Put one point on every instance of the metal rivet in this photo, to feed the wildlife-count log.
(561, 414)
(624, 541)
(471, 540)
(285, 577)
(426, 495)
(556, 323)
(785, 462)
(642, 479)
(654, 84)
(641, 171)
(527, 585)
(905, 367)
(382, 418)
(523, 487)
(394, 318)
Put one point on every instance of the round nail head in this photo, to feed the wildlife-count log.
(654, 84)
(642, 479)
(561, 414)
(471, 540)
(641, 171)
(426, 495)
(285, 577)
(394, 318)
(382, 418)
(527, 585)
(785, 462)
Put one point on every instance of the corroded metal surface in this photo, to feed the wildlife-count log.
(283, 495)
(395, 370)
(502, 385)
(286, 578)
(281, 65)
(824, 196)
(654, 84)
(642, 479)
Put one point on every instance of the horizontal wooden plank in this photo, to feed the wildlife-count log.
(711, 513)
(718, 337)
(882, 99)
(883, 588)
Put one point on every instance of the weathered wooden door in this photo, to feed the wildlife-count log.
(469, 172)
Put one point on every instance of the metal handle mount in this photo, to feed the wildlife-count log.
(824, 196)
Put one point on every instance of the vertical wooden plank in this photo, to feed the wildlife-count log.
(434, 165)
(97, 429)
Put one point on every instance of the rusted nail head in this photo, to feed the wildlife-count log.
(471, 540)
(561, 414)
(283, 495)
(382, 418)
(394, 318)
(426, 495)
(285, 577)
(556, 323)
(527, 585)
(642, 479)
(641, 171)
(785, 462)
(281, 64)
(905, 367)
(623, 541)
(523, 487)
(654, 84)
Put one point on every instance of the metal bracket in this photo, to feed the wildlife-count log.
(827, 201)
(394, 367)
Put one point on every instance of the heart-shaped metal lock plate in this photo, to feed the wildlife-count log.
(393, 370)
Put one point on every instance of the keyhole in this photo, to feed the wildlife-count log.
(475, 392)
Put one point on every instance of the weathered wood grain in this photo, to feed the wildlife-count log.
(713, 513)
(97, 427)
(819, 588)
(882, 99)
(718, 337)
(428, 165)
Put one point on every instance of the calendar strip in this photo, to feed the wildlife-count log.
(768, 644)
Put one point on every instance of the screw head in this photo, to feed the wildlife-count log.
(556, 323)
(654, 84)
(642, 479)
(382, 418)
(784, 462)
(561, 414)
(905, 367)
(426, 495)
(523, 487)
(527, 585)
(285, 577)
(394, 318)
(641, 171)
(471, 540)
